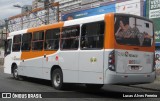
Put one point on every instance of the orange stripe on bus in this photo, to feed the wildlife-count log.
(136, 48)
(46, 27)
(35, 53)
(109, 37)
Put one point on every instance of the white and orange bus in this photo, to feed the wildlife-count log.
(103, 49)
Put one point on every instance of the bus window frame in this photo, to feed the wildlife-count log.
(18, 43)
(102, 21)
(73, 37)
(38, 40)
(136, 17)
(59, 29)
(28, 41)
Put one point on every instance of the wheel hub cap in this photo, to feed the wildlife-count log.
(57, 79)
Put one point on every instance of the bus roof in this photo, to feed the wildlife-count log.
(84, 20)
(18, 32)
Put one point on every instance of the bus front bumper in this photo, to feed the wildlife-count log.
(119, 78)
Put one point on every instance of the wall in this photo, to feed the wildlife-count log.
(90, 12)
(153, 13)
(131, 7)
(157, 58)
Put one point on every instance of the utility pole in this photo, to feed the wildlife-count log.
(58, 11)
(6, 25)
(48, 4)
(46, 7)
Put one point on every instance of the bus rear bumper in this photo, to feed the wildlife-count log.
(118, 78)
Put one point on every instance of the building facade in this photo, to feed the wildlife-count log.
(121, 6)
(37, 4)
(69, 5)
(2, 33)
(153, 13)
(2, 38)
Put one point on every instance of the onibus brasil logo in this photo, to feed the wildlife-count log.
(127, 54)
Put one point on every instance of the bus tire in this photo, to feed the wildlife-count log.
(57, 79)
(15, 73)
(94, 86)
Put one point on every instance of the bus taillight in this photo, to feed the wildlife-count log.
(111, 61)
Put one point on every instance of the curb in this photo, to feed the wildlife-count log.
(157, 78)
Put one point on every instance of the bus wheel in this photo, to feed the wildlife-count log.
(57, 79)
(15, 73)
(94, 86)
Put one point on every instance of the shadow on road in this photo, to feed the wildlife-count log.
(80, 91)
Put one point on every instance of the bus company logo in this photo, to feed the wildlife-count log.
(127, 54)
(21, 95)
(6, 95)
(124, 54)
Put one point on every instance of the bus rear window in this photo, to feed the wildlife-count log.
(133, 31)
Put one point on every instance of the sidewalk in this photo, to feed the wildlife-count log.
(157, 76)
(1, 68)
(158, 72)
(155, 86)
(157, 79)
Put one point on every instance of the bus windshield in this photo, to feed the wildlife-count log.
(133, 31)
(8, 46)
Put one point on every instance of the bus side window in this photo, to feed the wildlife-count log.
(92, 35)
(26, 41)
(52, 39)
(16, 43)
(70, 37)
(37, 42)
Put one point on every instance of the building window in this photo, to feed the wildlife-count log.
(70, 37)
(16, 43)
(52, 39)
(37, 42)
(26, 41)
(92, 36)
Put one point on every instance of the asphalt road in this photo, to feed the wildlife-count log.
(76, 92)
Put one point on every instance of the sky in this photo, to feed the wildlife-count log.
(7, 9)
